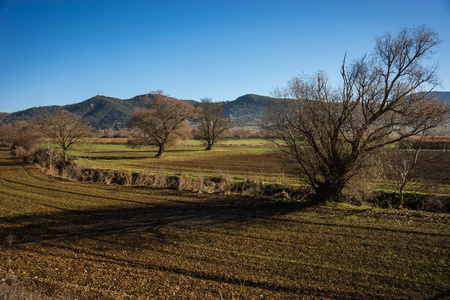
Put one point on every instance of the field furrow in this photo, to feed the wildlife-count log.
(93, 241)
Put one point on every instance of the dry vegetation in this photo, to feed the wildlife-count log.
(251, 167)
(92, 241)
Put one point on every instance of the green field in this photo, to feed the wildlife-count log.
(93, 241)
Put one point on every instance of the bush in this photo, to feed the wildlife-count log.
(414, 201)
(27, 154)
(218, 183)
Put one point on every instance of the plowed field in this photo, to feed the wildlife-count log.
(90, 241)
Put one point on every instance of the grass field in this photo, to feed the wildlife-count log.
(238, 158)
(246, 158)
(93, 241)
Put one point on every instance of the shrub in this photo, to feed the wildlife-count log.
(415, 201)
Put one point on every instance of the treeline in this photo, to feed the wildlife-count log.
(400, 165)
(164, 121)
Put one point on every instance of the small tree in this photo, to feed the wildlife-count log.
(212, 123)
(404, 164)
(162, 121)
(328, 133)
(65, 129)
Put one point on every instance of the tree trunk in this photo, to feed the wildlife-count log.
(209, 145)
(65, 157)
(401, 197)
(329, 191)
(162, 148)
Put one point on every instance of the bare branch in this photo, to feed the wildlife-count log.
(162, 121)
(330, 133)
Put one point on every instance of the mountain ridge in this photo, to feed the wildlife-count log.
(106, 112)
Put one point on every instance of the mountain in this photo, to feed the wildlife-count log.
(102, 112)
(443, 96)
(108, 112)
(246, 110)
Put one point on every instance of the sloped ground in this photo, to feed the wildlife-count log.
(91, 241)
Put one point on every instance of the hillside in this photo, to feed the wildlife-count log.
(246, 110)
(102, 112)
(108, 112)
(443, 96)
(105, 112)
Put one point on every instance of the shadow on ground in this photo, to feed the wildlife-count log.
(124, 220)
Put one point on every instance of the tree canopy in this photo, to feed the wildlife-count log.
(212, 123)
(328, 133)
(65, 129)
(162, 121)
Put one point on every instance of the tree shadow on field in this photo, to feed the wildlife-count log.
(12, 163)
(132, 228)
(149, 217)
(154, 227)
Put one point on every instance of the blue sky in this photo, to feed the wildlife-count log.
(58, 52)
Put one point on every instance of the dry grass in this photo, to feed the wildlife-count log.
(220, 182)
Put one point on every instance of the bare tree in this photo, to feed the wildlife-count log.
(403, 165)
(211, 121)
(328, 133)
(162, 121)
(65, 129)
(19, 134)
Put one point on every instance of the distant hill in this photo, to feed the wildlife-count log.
(108, 112)
(443, 96)
(246, 110)
(103, 112)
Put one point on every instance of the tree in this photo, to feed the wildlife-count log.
(162, 121)
(403, 164)
(19, 134)
(65, 129)
(211, 121)
(328, 133)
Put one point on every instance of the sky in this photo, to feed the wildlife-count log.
(59, 52)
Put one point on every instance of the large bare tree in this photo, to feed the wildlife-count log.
(212, 123)
(162, 121)
(65, 129)
(329, 133)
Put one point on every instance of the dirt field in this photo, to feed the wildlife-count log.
(90, 241)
